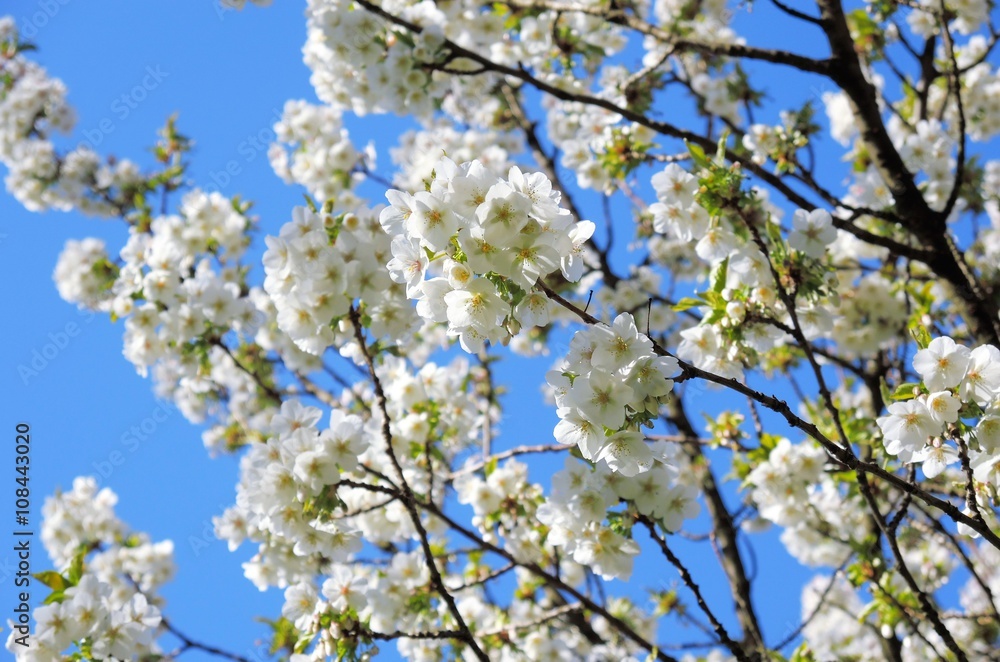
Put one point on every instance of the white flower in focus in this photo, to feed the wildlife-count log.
(572, 264)
(907, 427)
(935, 459)
(943, 406)
(602, 398)
(675, 184)
(943, 364)
(533, 310)
(627, 453)
(477, 306)
(700, 344)
(982, 377)
(576, 430)
(650, 376)
(432, 220)
(619, 345)
(408, 264)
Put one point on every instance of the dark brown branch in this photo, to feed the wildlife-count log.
(556, 583)
(970, 480)
(720, 630)
(723, 530)
(190, 644)
(815, 20)
(955, 83)
(630, 20)
(409, 499)
(503, 455)
(929, 610)
(922, 221)
(549, 578)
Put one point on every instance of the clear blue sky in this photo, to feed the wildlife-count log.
(227, 74)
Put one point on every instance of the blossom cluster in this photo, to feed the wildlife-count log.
(582, 497)
(505, 505)
(103, 600)
(289, 487)
(361, 63)
(925, 428)
(481, 253)
(287, 483)
(791, 489)
(611, 382)
(928, 148)
(486, 242)
(313, 149)
(319, 264)
(745, 314)
(176, 284)
(291, 501)
(842, 626)
(33, 106)
(418, 152)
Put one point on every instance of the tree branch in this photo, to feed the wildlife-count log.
(409, 499)
(720, 630)
(780, 407)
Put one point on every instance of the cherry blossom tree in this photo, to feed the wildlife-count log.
(352, 371)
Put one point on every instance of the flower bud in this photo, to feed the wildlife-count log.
(458, 274)
(736, 310)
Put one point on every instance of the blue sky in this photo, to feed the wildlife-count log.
(228, 74)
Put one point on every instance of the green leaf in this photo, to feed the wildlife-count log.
(856, 574)
(416, 449)
(920, 335)
(720, 149)
(53, 580)
(55, 596)
(285, 635)
(718, 276)
(802, 654)
(405, 37)
(714, 299)
(698, 154)
(76, 565)
(773, 231)
(716, 315)
(490, 467)
(687, 303)
(621, 523)
(868, 610)
(906, 391)
(884, 390)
